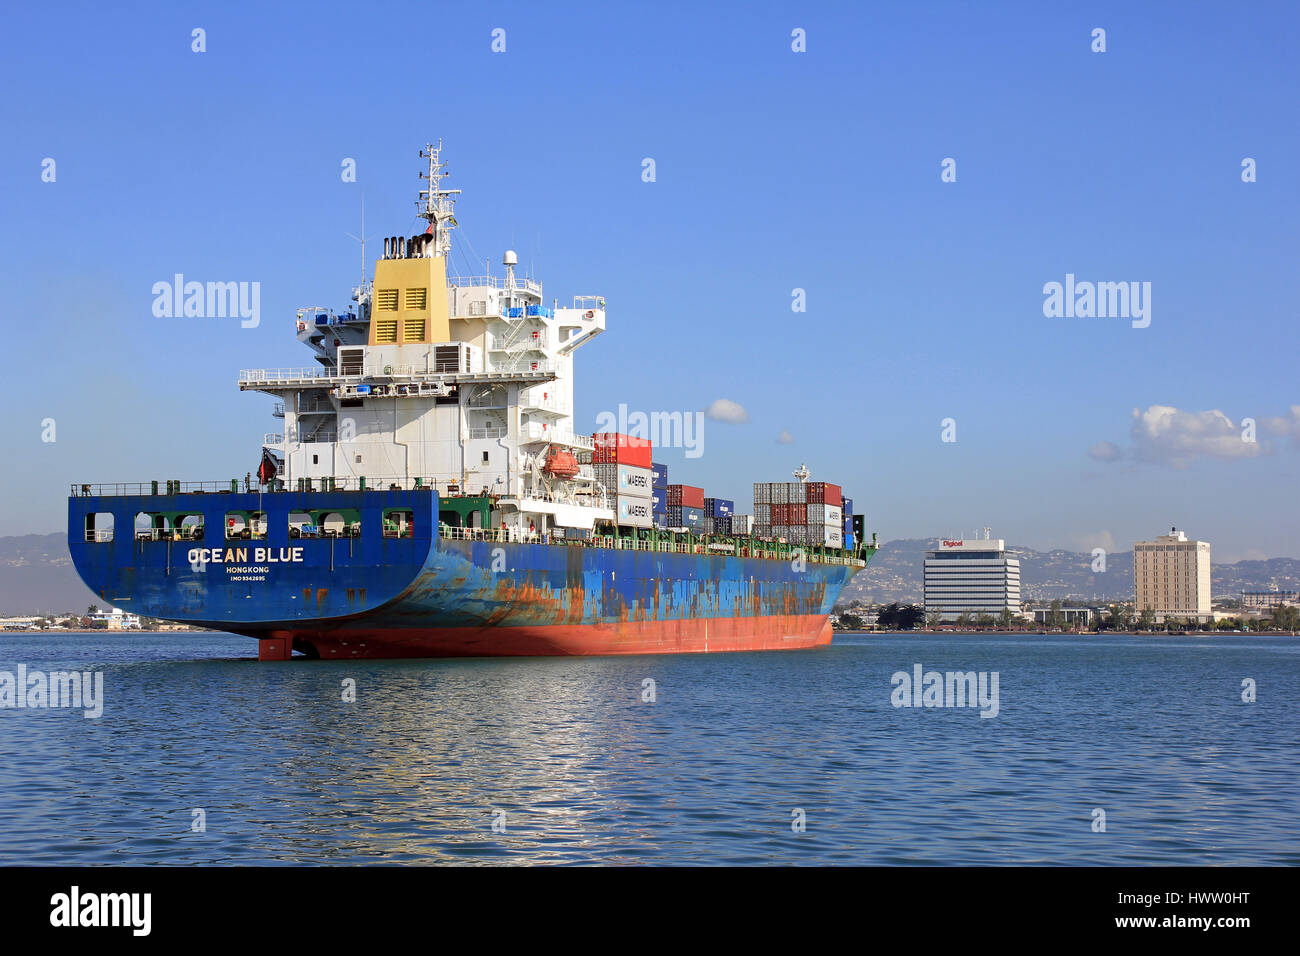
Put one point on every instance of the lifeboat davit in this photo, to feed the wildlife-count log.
(560, 463)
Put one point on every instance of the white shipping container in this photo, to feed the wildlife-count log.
(634, 512)
(625, 479)
(762, 492)
(762, 513)
(828, 515)
(742, 524)
(832, 538)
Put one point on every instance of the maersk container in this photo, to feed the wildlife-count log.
(634, 512)
(828, 515)
(830, 537)
(719, 507)
(624, 479)
(660, 475)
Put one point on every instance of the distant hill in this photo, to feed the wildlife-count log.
(895, 574)
(37, 576)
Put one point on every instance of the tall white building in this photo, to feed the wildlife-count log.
(1171, 577)
(971, 575)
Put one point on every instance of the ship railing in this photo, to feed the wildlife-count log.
(183, 533)
(753, 549)
(283, 374)
(535, 431)
(538, 341)
(494, 282)
(488, 432)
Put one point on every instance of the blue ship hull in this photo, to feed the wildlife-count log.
(425, 592)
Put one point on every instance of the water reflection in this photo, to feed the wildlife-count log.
(412, 772)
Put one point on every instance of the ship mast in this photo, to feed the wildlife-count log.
(435, 203)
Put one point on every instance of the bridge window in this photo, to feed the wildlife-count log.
(99, 526)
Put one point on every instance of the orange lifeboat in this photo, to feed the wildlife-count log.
(560, 463)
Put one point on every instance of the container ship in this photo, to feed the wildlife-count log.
(428, 496)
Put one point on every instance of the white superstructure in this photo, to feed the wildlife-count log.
(461, 383)
(971, 576)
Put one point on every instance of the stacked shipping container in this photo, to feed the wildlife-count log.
(659, 494)
(800, 512)
(622, 464)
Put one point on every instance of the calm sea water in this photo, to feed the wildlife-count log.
(1152, 730)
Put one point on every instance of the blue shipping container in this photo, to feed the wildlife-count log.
(848, 542)
(680, 517)
(660, 475)
(719, 507)
(658, 500)
(847, 507)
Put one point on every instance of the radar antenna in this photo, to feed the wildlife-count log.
(435, 203)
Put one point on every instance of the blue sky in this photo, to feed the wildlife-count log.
(775, 170)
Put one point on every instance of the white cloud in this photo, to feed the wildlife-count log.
(1105, 451)
(1284, 425)
(785, 438)
(1165, 435)
(725, 410)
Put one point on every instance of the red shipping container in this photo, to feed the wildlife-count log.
(798, 514)
(779, 514)
(685, 496)
(824, 493)
(611, 448)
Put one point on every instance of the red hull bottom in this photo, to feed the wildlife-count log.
(784, 632)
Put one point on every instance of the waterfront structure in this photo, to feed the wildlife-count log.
(1171, 577)
(971, 576)
(115, 619)
(1261, 600)
(1069, 616)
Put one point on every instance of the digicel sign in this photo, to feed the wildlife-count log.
(952, 544)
